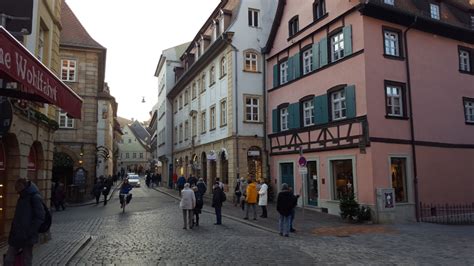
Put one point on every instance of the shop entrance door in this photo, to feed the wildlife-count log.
(312, 183)
(287, 174)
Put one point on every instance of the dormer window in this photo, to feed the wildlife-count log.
(293, 25)
(319, 9)
(434, 11)
(202, 46)
(253, 17)
(221, 23)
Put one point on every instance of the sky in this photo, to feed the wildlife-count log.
(135, 33)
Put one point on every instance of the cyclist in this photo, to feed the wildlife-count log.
(124, 190)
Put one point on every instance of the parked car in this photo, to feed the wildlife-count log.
(134, 180)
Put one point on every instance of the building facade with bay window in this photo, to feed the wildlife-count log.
(217, 101)
(354, 88)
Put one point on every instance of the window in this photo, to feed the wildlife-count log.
(180, 132)
(251, 61)
(251, 109)
(186, 130)
(194, 91)
(203, 122)
(434, 10)
(41, 43)
(175, 106)
(186, 97)
(194, 125)
(223, 113)
(180, 102)
(175, 135)
(338, 105)
(223, 66)
(307, 61)
(141, 155)
(284, 72)
(203, 83)
(284, 119)
(213, 118)
(212, 76)
(391, 43)
(293, 26)
(389, 2)
(68, 70)
(342, 178)
(469, 110)
(65, 121)
(398, 172)
(134, 155)
(464, 60)
(308, 113)
(127, 155)
(253, 17)
(319, 9)
(337, 46)
(394, 100)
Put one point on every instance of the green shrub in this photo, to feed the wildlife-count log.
(349, 206)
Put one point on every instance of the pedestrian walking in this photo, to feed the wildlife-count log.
(29, 216)
(243, 188)
(59, 196)
(251, 200)
(237, 193)
(158, 181)
(285, 203)
(175, 180)
(199, 204)
(263, 197)
(187, 204)
(181, 181)
(192, 180)
(97, 190)
(218, 197)
(148, 180)
(201, 185)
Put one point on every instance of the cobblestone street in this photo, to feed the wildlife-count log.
(150, 232)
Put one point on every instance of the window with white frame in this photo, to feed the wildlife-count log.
(212, 75)
(284, 119)
(186, 130)
(389, 2)
(391, 43)
(65, 121)
(194, 91)
(251, 61)
(464, 60)
(186, 97)
(203, 83)
(203, 122)
(252, 107)
(338, 105)
(283, 72)
(434, 11)
(194, 125)
(223, 66)
(308, 113)
(223, 113)
(213, 117)
(337, 46)
(253, 17)
(469, 110)
(394, 96)
(68, 70)
(307, 61)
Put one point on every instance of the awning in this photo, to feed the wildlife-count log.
(37, 82)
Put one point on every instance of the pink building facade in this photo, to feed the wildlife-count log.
(375, 95)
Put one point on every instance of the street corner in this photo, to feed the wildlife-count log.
(352, 229)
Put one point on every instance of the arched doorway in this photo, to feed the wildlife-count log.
(224, 167)
(204, 166)
(63, 168)
(186, 167)
(11, 152)
(254, 162)
(195, 166)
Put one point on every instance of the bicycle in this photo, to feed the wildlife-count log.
(124, 200)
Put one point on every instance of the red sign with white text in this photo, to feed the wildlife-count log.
(35, 79)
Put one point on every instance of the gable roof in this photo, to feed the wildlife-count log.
(73, 33)
(141, 133)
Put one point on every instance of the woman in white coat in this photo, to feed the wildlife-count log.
(187, 204)
(263, 198)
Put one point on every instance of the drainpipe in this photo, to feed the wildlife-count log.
(172, 141)
(412, 127)
(265, 141)
(236, 115)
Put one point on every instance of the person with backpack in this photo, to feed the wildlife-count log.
(218, 197)
(30, 216)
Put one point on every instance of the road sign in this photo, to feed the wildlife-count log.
(302, 161)
(303, 170)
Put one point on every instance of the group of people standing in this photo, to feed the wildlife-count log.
(152, 179)
(192, 201)
(247, 193)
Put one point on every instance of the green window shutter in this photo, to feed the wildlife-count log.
(350, 101)
(275, 76)
(347, 31)
(291, 74)
(296, 65)
(321, 115)
(323, 52)
(294, 115)
(315, 50)
(275, 119)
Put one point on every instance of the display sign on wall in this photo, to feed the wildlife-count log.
(80, 177)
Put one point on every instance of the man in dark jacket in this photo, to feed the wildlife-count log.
(29, 215)
(285, 203)
(218, 197)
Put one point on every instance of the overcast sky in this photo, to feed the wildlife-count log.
(134, 33)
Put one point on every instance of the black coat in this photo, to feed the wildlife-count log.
(217, 197)
(29, 215)
(286, 202)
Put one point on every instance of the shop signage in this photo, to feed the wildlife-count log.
(80, 177)
(212, 156)
(5, 116)
(2, 158)
(303, 170)
(37, 82)
(254, 153)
